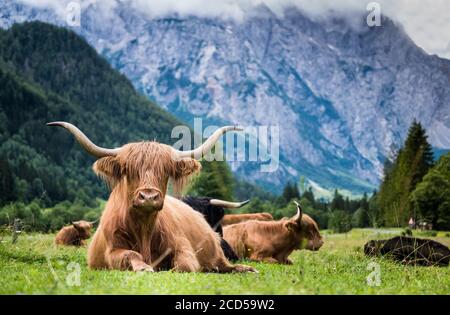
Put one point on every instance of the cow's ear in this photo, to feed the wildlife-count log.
(292, 225)
(109, 169)
(186, 167)
(76, 224)
(181, 173)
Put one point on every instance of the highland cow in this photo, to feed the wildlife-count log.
(213, 212)
(410, 250)
(74, 234)
(273, 241)
(141, 228)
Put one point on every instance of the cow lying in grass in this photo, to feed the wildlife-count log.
(410, 250)
(142, 229)
(273, 241)
(74, 234)
(213, 212)
(229, 219)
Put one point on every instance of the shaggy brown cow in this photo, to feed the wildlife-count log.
(229, 219)
(141, 228)
(273, 241)
(74, 234)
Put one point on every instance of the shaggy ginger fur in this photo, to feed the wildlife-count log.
(181, 239)
(273, 241)
(74, 234)
(229, 219)
(176, 236)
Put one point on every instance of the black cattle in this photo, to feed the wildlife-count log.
(410, 250)
(213, 211)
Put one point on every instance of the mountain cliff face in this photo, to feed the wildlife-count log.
(342, 97)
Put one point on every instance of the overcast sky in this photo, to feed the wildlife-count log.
(427, 22)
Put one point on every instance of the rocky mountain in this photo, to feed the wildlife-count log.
(342, 96)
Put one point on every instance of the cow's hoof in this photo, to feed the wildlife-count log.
(143, 268)
(243, 268)
(288, 262)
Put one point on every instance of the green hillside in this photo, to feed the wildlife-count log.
(49, 73)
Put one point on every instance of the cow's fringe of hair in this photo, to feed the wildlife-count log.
(179, 185)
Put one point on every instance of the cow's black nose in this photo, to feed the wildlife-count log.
(149, 199)
(149, 194)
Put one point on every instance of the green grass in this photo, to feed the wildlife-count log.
(340, 267)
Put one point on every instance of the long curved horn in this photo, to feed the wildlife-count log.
(93, 222)
(199, 152)
(299, 211)
(84, 141)
(228, 204)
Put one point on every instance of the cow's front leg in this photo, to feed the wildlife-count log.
(271, 260)
(262, 258)
(185, 259)
(243, 268)
(225, 266)
(282, 259)
(124, 259)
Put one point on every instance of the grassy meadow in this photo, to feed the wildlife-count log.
(35, 266)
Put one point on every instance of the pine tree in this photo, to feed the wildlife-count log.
(364, 202)
(7, 191)
(340, 221)
(360, 218)
(310, 196)
(338, 202)
(418, 154)
(215, 181)
(290, 192)
(431, 198)
(401, 177)
(375, 219)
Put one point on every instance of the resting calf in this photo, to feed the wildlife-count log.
(273, 241)
(74, 234)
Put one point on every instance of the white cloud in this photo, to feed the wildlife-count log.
(427, 22)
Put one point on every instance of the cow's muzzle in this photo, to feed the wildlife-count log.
(314, 245)
(148, 199)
